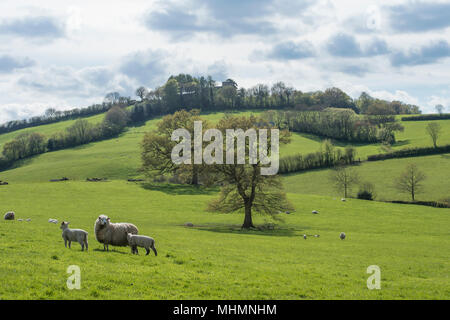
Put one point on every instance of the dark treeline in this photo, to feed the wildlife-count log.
(410, 152)
(327, 156)
(52, 115)
(187, 92)
(339, 124)
(81, 132)
(425, 117)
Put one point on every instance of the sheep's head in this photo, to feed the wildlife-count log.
(64, 225)
(103, 220)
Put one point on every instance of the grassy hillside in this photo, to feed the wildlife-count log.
(47, 129)
(120, 158)
(383, 175)
(414, 135)
(410, 244)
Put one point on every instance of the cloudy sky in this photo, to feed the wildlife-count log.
(67, 54)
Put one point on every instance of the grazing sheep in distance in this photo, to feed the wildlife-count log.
(343, 199)
(52, 220)
(188, 224)
(342, 236)
(77, 235)
(114, 234)
(315, 212)
(135, 241)
(304, 236)
(10, 215)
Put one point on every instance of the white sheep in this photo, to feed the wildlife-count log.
(70, 235)
(52, 220)
(135, 241)
(342, 236)
(315, 212)
(114, 234)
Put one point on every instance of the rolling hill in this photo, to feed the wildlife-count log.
(215, 259)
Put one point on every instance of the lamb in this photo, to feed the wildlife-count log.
(70, 235)
(342, 236)
(135, 241)
(10, 215)
(112, 233)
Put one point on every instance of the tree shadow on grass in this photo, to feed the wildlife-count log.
(260, 230)
(179, 189)
(401, 143)
(110, 251)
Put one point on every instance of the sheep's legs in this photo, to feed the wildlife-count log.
(154, 250)
(65, 243)
(86, 244)
(148, 251)
(70, 242)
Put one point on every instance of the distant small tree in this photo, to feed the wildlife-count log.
(434, 131)
(80, 131)
(112, 98)
(36, 143)
(141, 92)
(410, 180)
(343, 179)
(439, 108)
(115, 120)
(50, 112)
(366, 191)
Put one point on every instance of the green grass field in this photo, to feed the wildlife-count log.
(215, 259)
(409, 243)
(382, 174)
(47, 129)
(119, 158)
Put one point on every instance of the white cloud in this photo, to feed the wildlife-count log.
(103, 46)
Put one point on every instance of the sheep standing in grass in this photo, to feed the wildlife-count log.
(342, 236)
(135, 241)
(114, 234)
(77, 235)
(9, 216)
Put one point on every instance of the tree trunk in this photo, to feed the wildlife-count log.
(194, 175)
(248, 223)
(412, 194)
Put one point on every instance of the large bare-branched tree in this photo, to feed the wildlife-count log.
(243, 185)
